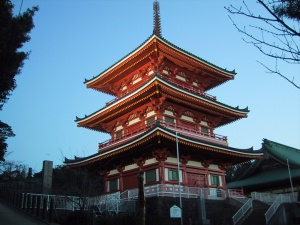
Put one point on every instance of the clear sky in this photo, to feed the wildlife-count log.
(74, 40)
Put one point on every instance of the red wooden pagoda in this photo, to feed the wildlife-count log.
(160, 101)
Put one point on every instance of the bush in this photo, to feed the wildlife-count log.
(118, 219)
(77, 218)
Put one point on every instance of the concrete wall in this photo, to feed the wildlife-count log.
(219, 212)
(287, 214)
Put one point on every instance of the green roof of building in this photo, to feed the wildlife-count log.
(266, 177)
(282, 152)
(287, 156)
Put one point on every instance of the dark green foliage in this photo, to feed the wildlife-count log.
(119, 219)
(289, 9)
(14, 32)
(5, 132)
(77, 218)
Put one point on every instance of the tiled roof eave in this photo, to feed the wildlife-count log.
(196, 58)
(158, 128)
(203, 98)
(283, 153)
(153, 36)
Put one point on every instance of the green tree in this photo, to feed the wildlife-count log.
(5, 132)
(275, 34)
(14, 32)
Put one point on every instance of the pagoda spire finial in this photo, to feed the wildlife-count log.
(156, 18)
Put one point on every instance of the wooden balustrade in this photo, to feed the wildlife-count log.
(181, 129)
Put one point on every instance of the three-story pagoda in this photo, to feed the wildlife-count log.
(160, 103)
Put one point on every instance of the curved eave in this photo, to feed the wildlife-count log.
(283, 153)
(275, 177)
(213, 102)
(90, 82)
(82, 122)
(160, 131)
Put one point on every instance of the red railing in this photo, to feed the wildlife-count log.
(192, 89)
(179, 84)
(181, 129)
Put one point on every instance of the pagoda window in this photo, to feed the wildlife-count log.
(119, 134)
(150, 121)
(151, 176)
(215, 180)
(169, 120)
(113, 185)
(205, 130)
(173, 175)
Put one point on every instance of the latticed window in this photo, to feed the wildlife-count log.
(169, 120)
(150, 121)
(215, 180)
(119, 134)
(113, 185)
(205, 130)
(173, 175)
(150, 176)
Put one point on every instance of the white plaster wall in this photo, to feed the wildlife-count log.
(193, 163)
(187, 118)
(213, 167)
(112, 172)
(130, 167)
(150, 161)
(150, 114)
(134, 121)
(170, 113)
(204, 123)
(119, 128)
(171, 160)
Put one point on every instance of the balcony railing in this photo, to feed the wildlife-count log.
(191, 88)
(188, 87)
(181, 129)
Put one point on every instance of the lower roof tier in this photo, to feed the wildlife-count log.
(159, 137)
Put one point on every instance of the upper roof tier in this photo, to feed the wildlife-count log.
(157, 86)
(155, 50)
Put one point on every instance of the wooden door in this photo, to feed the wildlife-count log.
(195, 180)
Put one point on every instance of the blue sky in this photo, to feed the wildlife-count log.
(74, 40)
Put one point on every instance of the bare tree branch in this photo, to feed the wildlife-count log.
(276, 71)
(279, 38)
